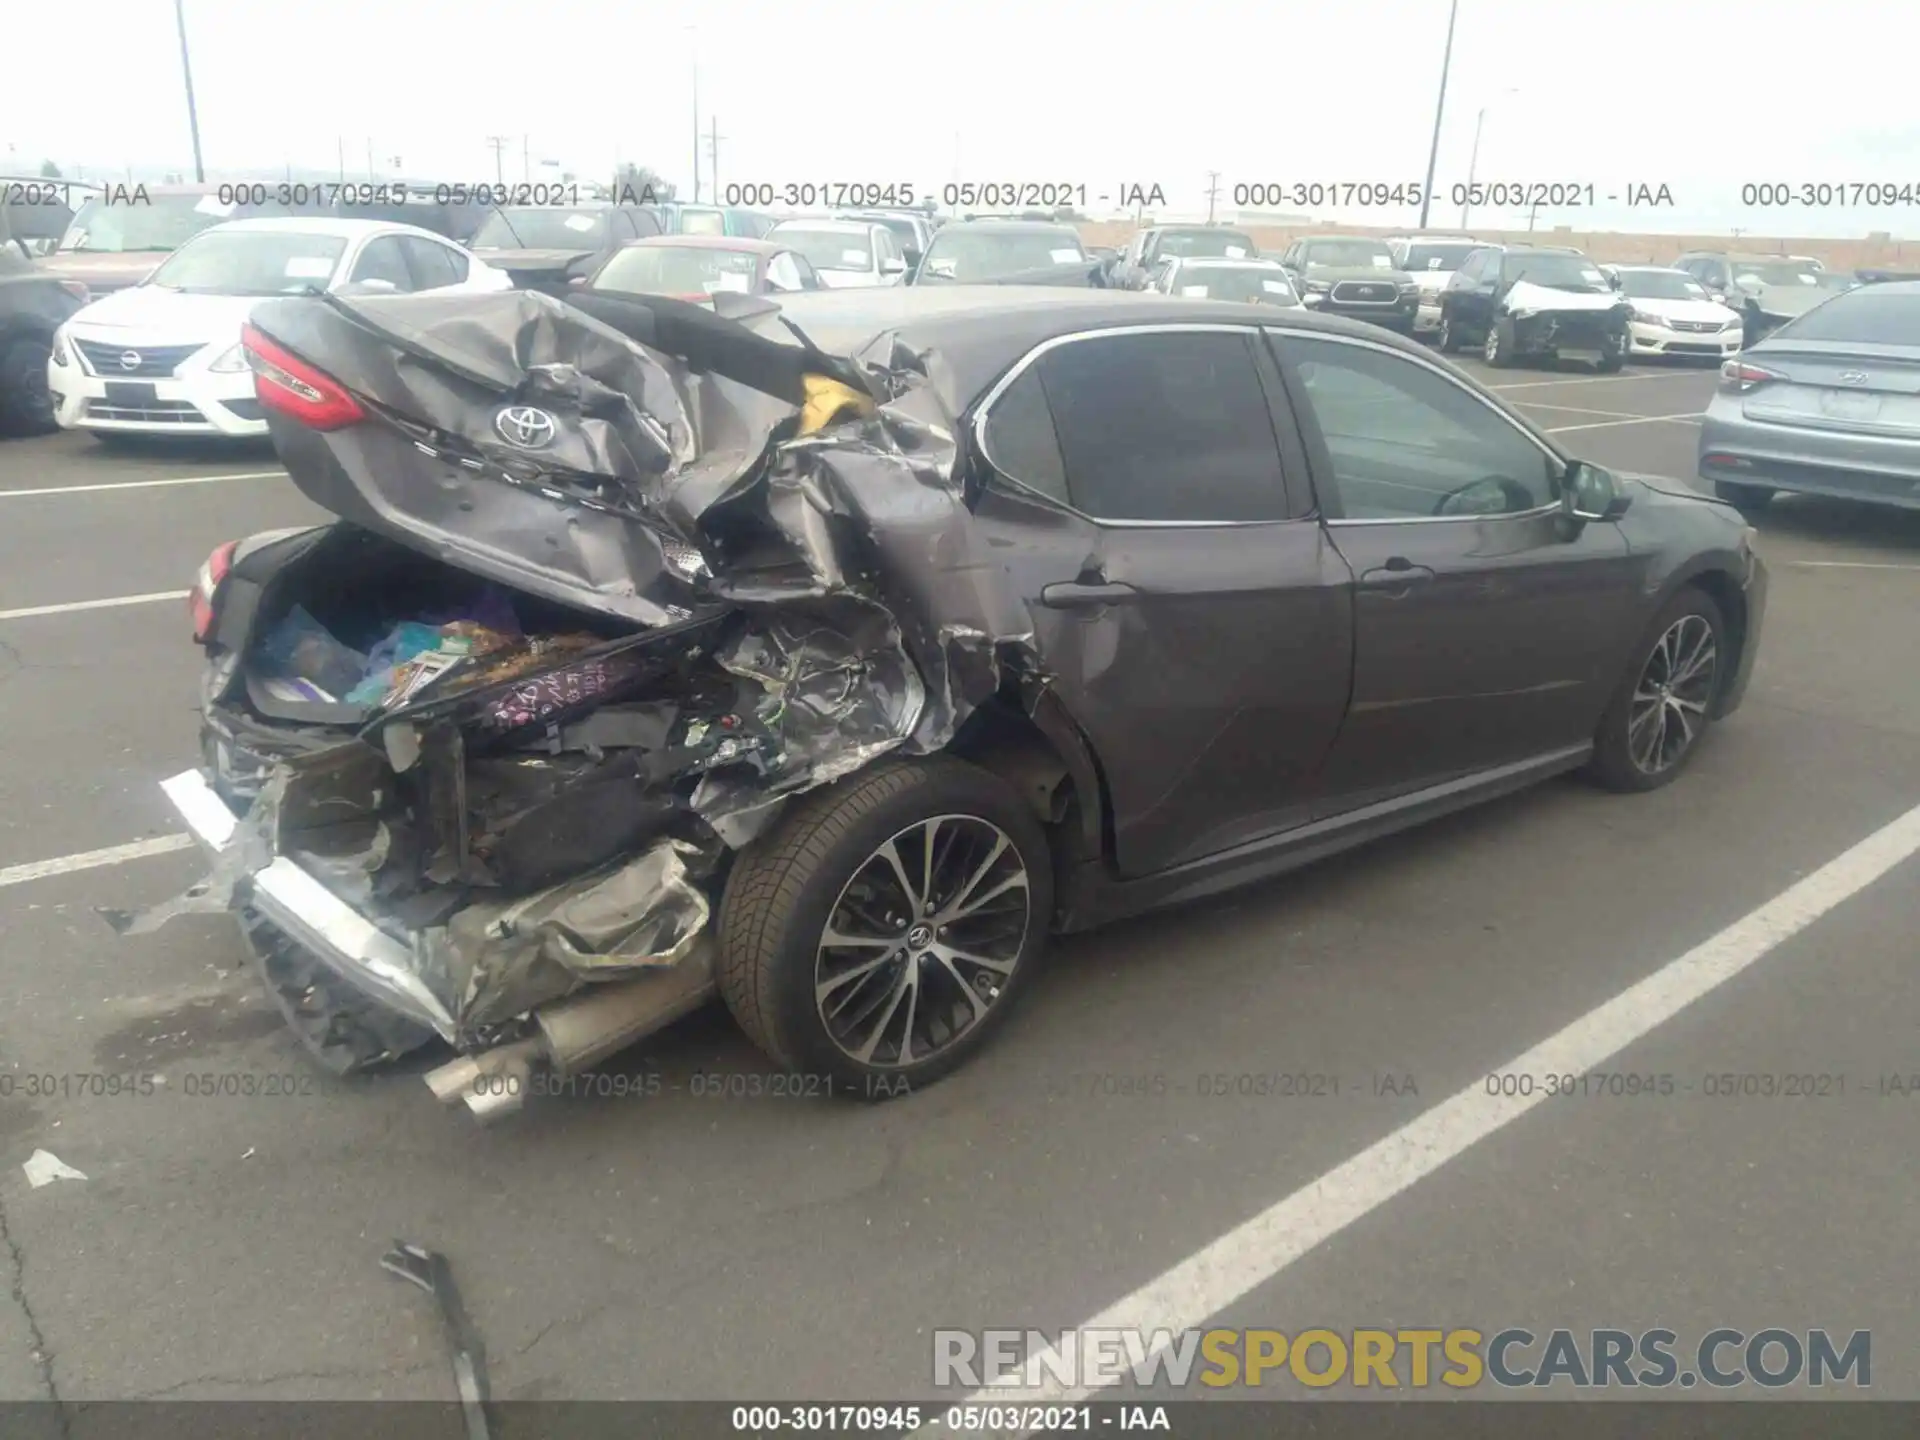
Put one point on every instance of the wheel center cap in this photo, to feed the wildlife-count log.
(920, 937)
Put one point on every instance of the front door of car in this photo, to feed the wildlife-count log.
(1483, 637)
(1469, 296)
(1150, 514)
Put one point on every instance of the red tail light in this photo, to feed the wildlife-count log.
(288, 384)
(205, 585)
(1738, 375)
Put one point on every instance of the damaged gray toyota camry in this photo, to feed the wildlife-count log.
(831, 653)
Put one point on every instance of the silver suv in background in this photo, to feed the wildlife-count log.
(1431, 260)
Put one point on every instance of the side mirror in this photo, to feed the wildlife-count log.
(893, 265)
(1590, 494)
(370, 287)
(576, 282)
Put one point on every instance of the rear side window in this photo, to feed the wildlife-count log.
(1020, 439)
(433, 265)
(1171, 425)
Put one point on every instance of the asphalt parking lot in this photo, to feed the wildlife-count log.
(687, 1245)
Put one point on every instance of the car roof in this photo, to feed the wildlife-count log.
(1753, 256)
(843, 227)
(336, 226)
(979, 331)
(1374, 239)
(709, 242)
(1198, 230)
(583, 205)
(1227, 262)
(1014, 227)
(1656, 269)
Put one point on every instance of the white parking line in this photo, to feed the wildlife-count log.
(109, 604)
(1689, 416)
(1848, 565)
(141, 484)
(1230, 1268)
(1572, 409)
(93, 859)
(1600, 379)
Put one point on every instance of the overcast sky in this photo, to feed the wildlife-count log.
(1701, 95)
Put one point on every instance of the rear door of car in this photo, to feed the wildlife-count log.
(1148, 502)
(1482, 638)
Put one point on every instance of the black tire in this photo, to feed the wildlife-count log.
(786, 886)
(1497, 348)
(1614, 762)
(1748, 499)
(26, 404)
(1612, 361)
(1448, 339)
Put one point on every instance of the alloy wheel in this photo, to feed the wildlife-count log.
(1491, 350)
(922, 941)
(1671, 697)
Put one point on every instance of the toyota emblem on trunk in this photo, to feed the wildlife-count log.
(130, 360)
(524, 426)
(1853, 377)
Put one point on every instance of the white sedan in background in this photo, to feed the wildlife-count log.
(163, 356)
(1206, 277)
(845, 254)
(1674, 315)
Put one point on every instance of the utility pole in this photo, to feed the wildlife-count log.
(1439, 113)
(696, 117)
(714, 137)
(371, 173)
(340, 149)
(1213, 192)
(186, 72)
(526, 158)
(1532, 211)
(499, 144)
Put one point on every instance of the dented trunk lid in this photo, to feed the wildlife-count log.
(523, 440)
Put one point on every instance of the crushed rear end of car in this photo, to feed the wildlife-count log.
(612, 582)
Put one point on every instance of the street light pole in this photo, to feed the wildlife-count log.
(186, 72)
(1473, 161)
(1439, 112)
(696, 115)
(1473, 165)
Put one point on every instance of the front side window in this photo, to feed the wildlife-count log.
(1407, 443)
(1162, 426)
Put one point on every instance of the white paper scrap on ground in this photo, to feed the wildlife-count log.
(43, 1167)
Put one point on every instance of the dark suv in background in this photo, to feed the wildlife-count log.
(1356, 276)
(1523, 302)
(33, 304)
